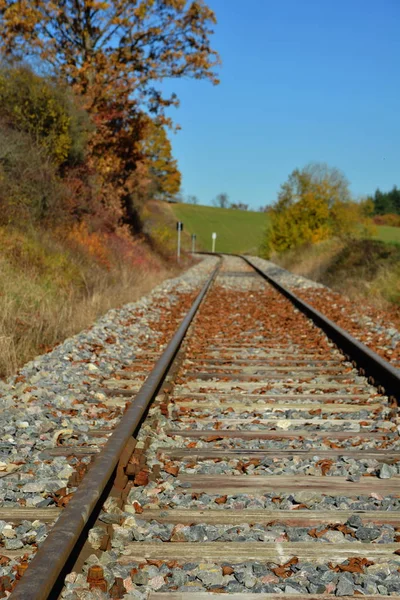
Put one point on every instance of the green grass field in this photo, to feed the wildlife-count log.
(390, 235)
(237, 231)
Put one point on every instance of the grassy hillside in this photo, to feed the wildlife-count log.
(390, 235)
(237, 230)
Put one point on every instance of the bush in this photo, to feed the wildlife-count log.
(30, 188)
(391, 219)
(43, 138)
(45, 111)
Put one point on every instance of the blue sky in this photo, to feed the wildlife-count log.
(301, 81)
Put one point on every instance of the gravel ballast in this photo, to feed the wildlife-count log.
(57, 401)
(69, 399)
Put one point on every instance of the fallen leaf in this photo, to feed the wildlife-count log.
(221, 500)
(324, 464)
(142, 478)
(138, 507)
(317, 534)
(171, 469)
(354, 565)
(155, 562)
(214, 438)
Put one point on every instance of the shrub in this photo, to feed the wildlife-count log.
(30, 188)
(94, 243)
(46, 261)
(46, 112)
(43, 136)
(391, 219)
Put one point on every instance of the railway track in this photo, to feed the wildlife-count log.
(255, 459)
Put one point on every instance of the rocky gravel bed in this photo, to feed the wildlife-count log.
(234, 274)
(353, 530)
(163, 495)
(272, 388)
(312, 465)
(242, 312)
(293, 577)
(215, 442)
(57, 401)
(378, 329)
(41, 483)
(284, 277)
(284, 424)
(335, 397)
(22, 536)
(259, 413)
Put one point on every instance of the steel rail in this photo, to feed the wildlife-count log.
(45, 575)
(373, 365)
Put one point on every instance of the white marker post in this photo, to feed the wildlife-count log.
(214, 237)
(193, 243)
(179, 228)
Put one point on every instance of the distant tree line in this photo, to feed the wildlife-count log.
(220, 201)
(386, 203)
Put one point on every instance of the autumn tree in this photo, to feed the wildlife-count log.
(115, 54)
(162, 168)
(113, 48)
(313, 204)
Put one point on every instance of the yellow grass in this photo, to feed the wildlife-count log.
(36, 313)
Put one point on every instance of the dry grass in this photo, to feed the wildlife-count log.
(30, 327)
(362, 270)
(44, 302)
(311, 261)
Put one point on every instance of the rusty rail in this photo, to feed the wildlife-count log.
(372, 364)
(45, 575)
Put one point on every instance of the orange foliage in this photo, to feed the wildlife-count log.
(114, 55)
(389, 219)
(94, 243)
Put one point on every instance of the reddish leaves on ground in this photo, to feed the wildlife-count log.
(221, 500)
(138, 507)
(214, 438)
(324, 464)
(354, 565)
(284, 570)
(142, 478)
(317, 534)
(171, 469)
(155, 562)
